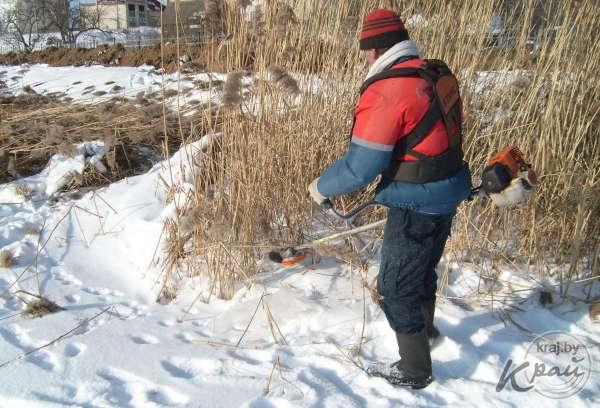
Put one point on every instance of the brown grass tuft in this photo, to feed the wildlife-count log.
(41, 307)
(23, 190)
(31, 230)
(283, 80)
(595, 312)
(7, 258)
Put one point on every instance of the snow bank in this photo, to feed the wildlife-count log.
(60, 171)
(99, 257)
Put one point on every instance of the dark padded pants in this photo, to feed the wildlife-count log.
(413, 244)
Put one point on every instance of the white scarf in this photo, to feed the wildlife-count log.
(401, 49)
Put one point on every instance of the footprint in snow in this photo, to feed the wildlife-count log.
(126, 312)
(66, 278)
(243, 356)
(145, 339)
(167, 323)
(130, 303)
(15, 304)
(73, 298)
(97, 291)
(186, 337)
(16, 336)
(124, 388)
(91, 325)
(325, 383)
(44, 359)
(188, 368)
(74, 349)
(204, 332)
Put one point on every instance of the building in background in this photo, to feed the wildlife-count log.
(154, 9)
(124, 14)
(189, 18)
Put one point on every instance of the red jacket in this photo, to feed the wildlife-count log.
(389, 110)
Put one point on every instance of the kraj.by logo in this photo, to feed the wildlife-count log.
(556, 365)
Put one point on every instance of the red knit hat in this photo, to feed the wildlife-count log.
(382, 29)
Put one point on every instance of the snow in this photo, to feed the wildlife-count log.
(417, 20)
(95, 256)
(98, 83)
(486, 82)
(61, 169)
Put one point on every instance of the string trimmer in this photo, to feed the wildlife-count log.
(507, 180)
(294, 255)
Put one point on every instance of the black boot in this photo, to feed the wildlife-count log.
(428, 308)
(414, 367)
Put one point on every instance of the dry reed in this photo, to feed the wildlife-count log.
(35, 127)
(539, 96)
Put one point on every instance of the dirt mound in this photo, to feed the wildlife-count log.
(193, 58)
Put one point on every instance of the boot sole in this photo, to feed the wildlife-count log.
(393, 381)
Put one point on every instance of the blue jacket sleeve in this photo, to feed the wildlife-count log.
(357, 168)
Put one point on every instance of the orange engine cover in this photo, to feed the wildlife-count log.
(512, 158)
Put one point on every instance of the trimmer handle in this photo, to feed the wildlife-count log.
(327, 204)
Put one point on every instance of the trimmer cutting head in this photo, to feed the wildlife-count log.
(288, 256)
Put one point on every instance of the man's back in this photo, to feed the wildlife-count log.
(396, 106)
(387, 111)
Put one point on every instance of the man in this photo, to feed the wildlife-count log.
(424, 179)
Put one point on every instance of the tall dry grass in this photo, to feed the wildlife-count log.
(251, 191)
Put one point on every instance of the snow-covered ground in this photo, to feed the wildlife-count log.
(98, 83)
(97, 256)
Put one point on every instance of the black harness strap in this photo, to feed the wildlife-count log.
(424, 127)
(390, 73)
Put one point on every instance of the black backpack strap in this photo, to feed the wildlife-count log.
(427, 122)
(390, 73)
(423, 128)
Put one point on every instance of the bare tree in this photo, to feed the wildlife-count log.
(24, 23)
(72, 21)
